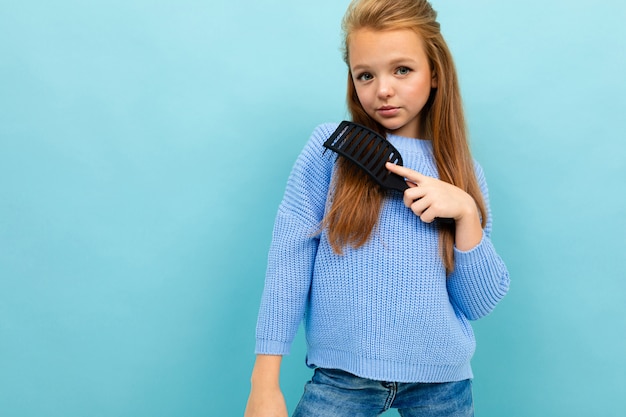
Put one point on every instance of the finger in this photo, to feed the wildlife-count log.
(423, 210)
(410, 174)
(412, 194)
(418, 207)
(426, 217)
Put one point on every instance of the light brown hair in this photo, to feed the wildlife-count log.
(356, 200)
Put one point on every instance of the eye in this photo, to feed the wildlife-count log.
(364, 76)
(403, 70)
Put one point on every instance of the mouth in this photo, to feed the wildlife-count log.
(387, 111)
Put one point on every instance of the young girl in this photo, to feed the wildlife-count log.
(386, 289)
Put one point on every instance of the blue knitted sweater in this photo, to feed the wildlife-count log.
(385, 311)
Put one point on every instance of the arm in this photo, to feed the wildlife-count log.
(266, 398)
(291, 256)
(289, 270)
(480, 278)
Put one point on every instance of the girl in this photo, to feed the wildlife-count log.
(384, 288)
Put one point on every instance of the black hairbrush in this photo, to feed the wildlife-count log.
(369, 151)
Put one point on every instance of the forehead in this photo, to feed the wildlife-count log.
(379, 45)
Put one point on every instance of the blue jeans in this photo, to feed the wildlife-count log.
(336, 393)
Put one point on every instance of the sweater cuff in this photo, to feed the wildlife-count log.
(476, 254)
(272, 347)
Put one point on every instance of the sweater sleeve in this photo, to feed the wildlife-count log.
(294, 246)
(480, 278)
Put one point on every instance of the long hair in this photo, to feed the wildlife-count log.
(357, 200)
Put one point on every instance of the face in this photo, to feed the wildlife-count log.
(392, 77)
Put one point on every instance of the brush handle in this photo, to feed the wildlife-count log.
(396, 182)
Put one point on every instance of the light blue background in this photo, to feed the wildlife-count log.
(144, 147)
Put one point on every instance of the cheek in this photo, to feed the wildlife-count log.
(363, 95)
(421, 89)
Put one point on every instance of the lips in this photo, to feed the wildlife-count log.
(388, 111)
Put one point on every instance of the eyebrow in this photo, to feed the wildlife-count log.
(393, 63)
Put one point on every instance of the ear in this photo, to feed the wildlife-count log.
(433, 80)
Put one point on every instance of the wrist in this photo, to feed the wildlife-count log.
(266, 372)
(265, 381)
(468, 212)
(469, 230)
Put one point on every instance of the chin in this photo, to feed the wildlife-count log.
(394, 128)
(390, 126)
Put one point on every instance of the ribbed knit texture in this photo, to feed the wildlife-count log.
(385, 311)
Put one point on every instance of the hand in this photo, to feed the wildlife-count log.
(430, 198)
(266, 402)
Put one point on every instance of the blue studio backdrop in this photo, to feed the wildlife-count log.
(144, 148)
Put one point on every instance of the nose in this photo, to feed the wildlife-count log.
(385, 88)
